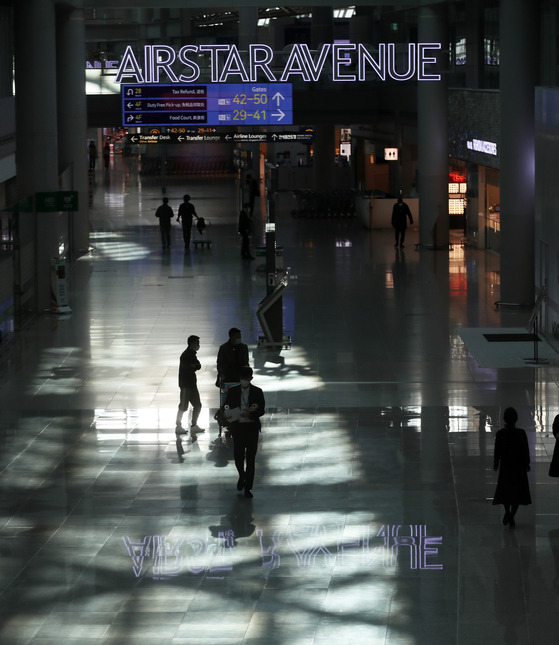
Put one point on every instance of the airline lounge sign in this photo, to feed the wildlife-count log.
(344, 62)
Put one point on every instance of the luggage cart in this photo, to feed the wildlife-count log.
(200, 239)
(219, 416)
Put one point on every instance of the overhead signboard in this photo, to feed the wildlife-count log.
(60, 200)
(210, 135)
(219, 104)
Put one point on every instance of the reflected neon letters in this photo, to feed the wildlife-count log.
(307, 547)
(347, 62)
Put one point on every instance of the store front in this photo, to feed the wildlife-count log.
(475, 163)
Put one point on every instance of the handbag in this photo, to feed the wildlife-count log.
(221, 419)
(554, 465)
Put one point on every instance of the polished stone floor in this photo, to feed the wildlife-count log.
(371, 521)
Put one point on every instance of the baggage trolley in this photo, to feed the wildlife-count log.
(200, 239)
(219, 416)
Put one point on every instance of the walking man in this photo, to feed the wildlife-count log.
(186, 213)
(189, 365)
(165, 215)
(231, 356)
(245, 403)
(400, 214)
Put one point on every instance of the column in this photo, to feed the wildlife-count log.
(248, 34)
(248, 27)
(72, 117)
(36, 152)
(6, 62)
(324, 153)
(519, 53)
(474, 44)
(432, 108)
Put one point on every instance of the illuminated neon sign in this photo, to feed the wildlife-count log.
(345, 62)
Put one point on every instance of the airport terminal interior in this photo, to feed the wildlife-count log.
(372, 518)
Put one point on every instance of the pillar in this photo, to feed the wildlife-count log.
(248, 34)
(324, 147)
(474, 43)
(72, 117)
(518, 67)
(36, 132)
(432, 108)
(248, 27)
(6, 61)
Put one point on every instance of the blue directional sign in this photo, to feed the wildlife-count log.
(217, 104)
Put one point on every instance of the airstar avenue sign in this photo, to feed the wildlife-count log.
(349, 62)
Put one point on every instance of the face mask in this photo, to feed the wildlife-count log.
(237, 341)
(245, 383)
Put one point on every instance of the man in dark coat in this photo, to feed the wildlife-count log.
(231, 356)
(246, 401)
(245, 229)
(165, 215)
(189, 365)
(186, 213)
(251, 192)
(400, 215)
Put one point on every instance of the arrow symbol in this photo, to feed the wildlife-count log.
(227, 137)
(130, 105)
(134, 139)
(130, 92)
(129, 118)
(279, 114)
(278, 98)
(180, 138)
(274, 136)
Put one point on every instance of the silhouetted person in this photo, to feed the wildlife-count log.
(186, 213)
(231, 356)
(188, 366)
(165, 215)
(92, 151)
(248, 400)
(251, 192)
(107, 155)
(245, 229)
(400, 215)
(512, 459)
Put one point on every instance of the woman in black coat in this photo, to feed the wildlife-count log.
(554, 466)
(512, 459)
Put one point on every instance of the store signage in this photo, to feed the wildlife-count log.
(221, 104)
(456, 177)
(488, 147)
(349, 62)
